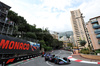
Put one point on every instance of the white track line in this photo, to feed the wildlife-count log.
(58, 53)
(89, 62)
(48, 63)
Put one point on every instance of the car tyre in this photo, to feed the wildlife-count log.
(68, 60)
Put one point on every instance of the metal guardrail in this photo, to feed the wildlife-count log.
(4, 62)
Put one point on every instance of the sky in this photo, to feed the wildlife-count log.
(53, 14)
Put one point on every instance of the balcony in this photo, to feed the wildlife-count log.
(98, 36)
(98, 42)
(7, 23)
(94, 22)
(4, 11)
(97, 31)
(95, 26)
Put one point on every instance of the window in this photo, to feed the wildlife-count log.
(79, 22)
(76, 13)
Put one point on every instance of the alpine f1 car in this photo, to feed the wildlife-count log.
(62, 61)
(56, 59)
(47, 56)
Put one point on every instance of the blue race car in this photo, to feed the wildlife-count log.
(47, 56)
(58, 60)
(62, 61)
(52, 58)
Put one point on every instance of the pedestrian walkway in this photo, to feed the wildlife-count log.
(79, 58)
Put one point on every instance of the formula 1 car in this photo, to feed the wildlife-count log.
(47, 56)
(51, 58)
(58, 60)
(62, 61)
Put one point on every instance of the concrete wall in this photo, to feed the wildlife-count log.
(91, 56)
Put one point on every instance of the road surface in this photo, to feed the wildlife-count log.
(39, 61)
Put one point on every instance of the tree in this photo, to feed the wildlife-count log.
(82, 42)
(42, 42)
(31, 32)
(31, 35)
(68, 36)
(70, 45)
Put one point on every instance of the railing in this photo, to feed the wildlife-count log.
(2, 21)
(95, 26)
(3, 11)
(97, 31)
(9, 23)
(98, 36)
(94, 22)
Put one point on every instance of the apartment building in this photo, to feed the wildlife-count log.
(55, 35)
(6, 27)
(93, 26)
(78, 27)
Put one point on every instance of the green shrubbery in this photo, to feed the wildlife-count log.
(48, 48)
(97, 51)
(85, 51)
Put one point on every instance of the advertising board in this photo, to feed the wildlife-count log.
(11, 45)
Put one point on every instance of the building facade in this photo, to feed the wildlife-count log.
(55, 35)
(72, 40)
(93, 27)
(89, 39)
(78, 27)
(6, 27)
(65, 41)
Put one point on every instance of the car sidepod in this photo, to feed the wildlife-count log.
(61, 62)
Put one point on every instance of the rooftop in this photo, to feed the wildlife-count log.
(95, 17)
(4, 5)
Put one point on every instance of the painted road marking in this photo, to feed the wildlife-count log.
(76, 60)
(89, 62)
(58, 53)
(22, 62)
(98, 62)
(48, 63)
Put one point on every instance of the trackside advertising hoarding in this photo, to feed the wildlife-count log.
(11, 45)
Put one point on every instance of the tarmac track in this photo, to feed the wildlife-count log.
(39, 61)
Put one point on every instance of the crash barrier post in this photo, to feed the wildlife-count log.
(0, 64)
(3, 63)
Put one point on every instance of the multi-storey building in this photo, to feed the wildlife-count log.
(93, 27)
(78, 26)
(55, 35)
(72, 40)
(89, 39)
(6, 27)
(65, 41)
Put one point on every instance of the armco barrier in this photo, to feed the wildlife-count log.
(95, 57)
(16, 59)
